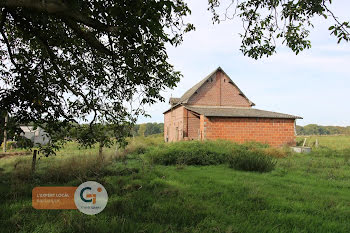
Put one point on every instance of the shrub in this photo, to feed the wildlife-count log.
(140, 145)
(9, 145)
(190, 153)
(252, 160)
(198, 152)
(23, 142)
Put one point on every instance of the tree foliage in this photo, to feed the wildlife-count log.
(12, 127)
(100, 62)
(313, 129)
(147, 129)
(266, 22)
(90, 61)
(142, 130)
(103, 134)
(154, 128)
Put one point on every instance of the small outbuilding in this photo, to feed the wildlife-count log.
(215, 108)
(37, 135)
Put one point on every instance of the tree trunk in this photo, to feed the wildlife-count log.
(5, 132)
(100, 149)
(34, 160)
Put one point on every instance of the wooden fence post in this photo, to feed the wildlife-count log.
(5, 132)
(304, 142)
(34, 160)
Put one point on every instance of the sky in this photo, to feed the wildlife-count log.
(315, 84)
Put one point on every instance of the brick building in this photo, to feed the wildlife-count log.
(216, 108)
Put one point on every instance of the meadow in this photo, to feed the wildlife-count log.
(334, 142)
(200, 192)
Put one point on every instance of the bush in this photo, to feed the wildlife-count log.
(139, 145)
(249, 156)
(24, 143)
(198, 153)
(190, 153)
(252, 160)
(9, 145)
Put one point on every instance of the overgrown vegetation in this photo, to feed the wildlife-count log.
(247, 157)
(304, 193)
(190, 153)
(213, 153)
(252, 160)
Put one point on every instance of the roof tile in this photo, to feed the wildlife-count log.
(239, 112)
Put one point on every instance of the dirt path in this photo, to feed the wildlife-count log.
(8, 154)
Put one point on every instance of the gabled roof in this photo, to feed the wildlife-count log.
(185, 97)
(238, 112)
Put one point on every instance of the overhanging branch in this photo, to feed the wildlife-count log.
(88, 37)
(59, 9)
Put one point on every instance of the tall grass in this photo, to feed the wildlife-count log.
(248, 156)
(190, 153)
(252, 160)
(304, 193)
(139, 145)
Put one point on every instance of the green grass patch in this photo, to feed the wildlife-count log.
(304, 193)
(338, 142)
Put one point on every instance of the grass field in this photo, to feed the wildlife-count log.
(334, 142)
(305, 193)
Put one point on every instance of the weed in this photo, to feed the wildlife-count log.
(252, 160)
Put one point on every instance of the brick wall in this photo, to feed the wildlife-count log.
(202, 123)
(218, 91)
(191, 125)
(174, 124)
(276, 132)
(180, 123)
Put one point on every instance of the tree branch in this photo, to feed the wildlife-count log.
(250, 22)
(88, 37)
(336, 19)
(60, 10)
(8, 46)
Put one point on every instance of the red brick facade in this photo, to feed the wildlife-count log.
(275, 132)
(180, 124)
(174, 124)
(192, 125)
(219, 91)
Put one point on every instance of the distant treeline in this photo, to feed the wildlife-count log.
(147, 129)
(314, 129)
